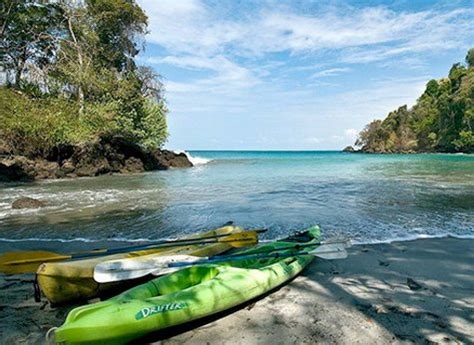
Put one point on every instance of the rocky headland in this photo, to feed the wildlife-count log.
(440, 121)
(104, 156)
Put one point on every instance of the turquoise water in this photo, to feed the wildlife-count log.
(371, 198)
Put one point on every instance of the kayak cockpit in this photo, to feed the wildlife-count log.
(168, 284)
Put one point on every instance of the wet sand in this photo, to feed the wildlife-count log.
(407, 292)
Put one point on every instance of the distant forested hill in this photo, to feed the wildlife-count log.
(442, 120)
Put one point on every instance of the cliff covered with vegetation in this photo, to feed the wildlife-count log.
(442, 120)
(70, 75)
(70, 84)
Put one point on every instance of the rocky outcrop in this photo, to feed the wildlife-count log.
(165, 158)
(105, 156)
(5, 149)
(16, 168)
(348, 149)
(27, 203)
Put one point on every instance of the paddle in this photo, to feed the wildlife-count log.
(28, 261)
(326, 251)
(117, 270)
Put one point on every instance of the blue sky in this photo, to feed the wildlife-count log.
(296, 75)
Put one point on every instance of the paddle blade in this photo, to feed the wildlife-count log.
(133, 268)
(345, 241)
(240, 239)
(331, 251)
(332, 255)
(27, 261)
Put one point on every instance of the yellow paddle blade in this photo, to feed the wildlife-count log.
(27, 261)
(240, 239)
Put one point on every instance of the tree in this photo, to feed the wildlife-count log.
(441, 120)
(85, 51)
(470, 58)
(28, 35)
(117, 23)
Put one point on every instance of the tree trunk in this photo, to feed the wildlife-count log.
(80, 91)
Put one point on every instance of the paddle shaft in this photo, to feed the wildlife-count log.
(245, 257)
(255, 255)
(290, 247)
(164, 244)
(104, 272)
(157, 244)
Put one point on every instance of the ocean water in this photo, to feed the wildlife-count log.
(371, 198)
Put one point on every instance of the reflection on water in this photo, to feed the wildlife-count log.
(370, 197)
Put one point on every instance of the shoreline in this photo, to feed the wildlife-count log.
(412, 291)
(23, 243)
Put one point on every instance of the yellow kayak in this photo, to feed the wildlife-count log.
(63, 282)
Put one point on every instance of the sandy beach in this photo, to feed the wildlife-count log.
(420, 291)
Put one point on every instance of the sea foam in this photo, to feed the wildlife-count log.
(195, 160)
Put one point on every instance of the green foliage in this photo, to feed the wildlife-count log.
(470, 58)
(441, 120)
(33, 127)
(153, 129)
(465, 142)
(28, 35)
(73, 65)
(116, 22)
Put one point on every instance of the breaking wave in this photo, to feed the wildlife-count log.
(195, 160)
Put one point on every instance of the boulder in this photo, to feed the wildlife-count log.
(168, 159)
(27, 203)
(348, 149)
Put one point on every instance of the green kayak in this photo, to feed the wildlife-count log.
(186, 295)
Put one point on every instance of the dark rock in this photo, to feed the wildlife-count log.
(27, 203)
(132, 165)
(16, 168)
(413, 285)
(348, 149)
(169, 159)
(45, 169)
(97, 167)
(104, 156)
(68, 167)
(5, 149)
(60, 153)
(126, 148)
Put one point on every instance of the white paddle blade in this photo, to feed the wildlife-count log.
(346, 241)
(331, 251)
(132, 268)
(340, 254)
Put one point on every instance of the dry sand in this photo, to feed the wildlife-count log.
(407, 292)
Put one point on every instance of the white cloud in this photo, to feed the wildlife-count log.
(330, 72)
(268, 66)
(227, 74)
(372, 33)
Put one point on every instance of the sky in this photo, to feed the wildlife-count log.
(296, 75)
